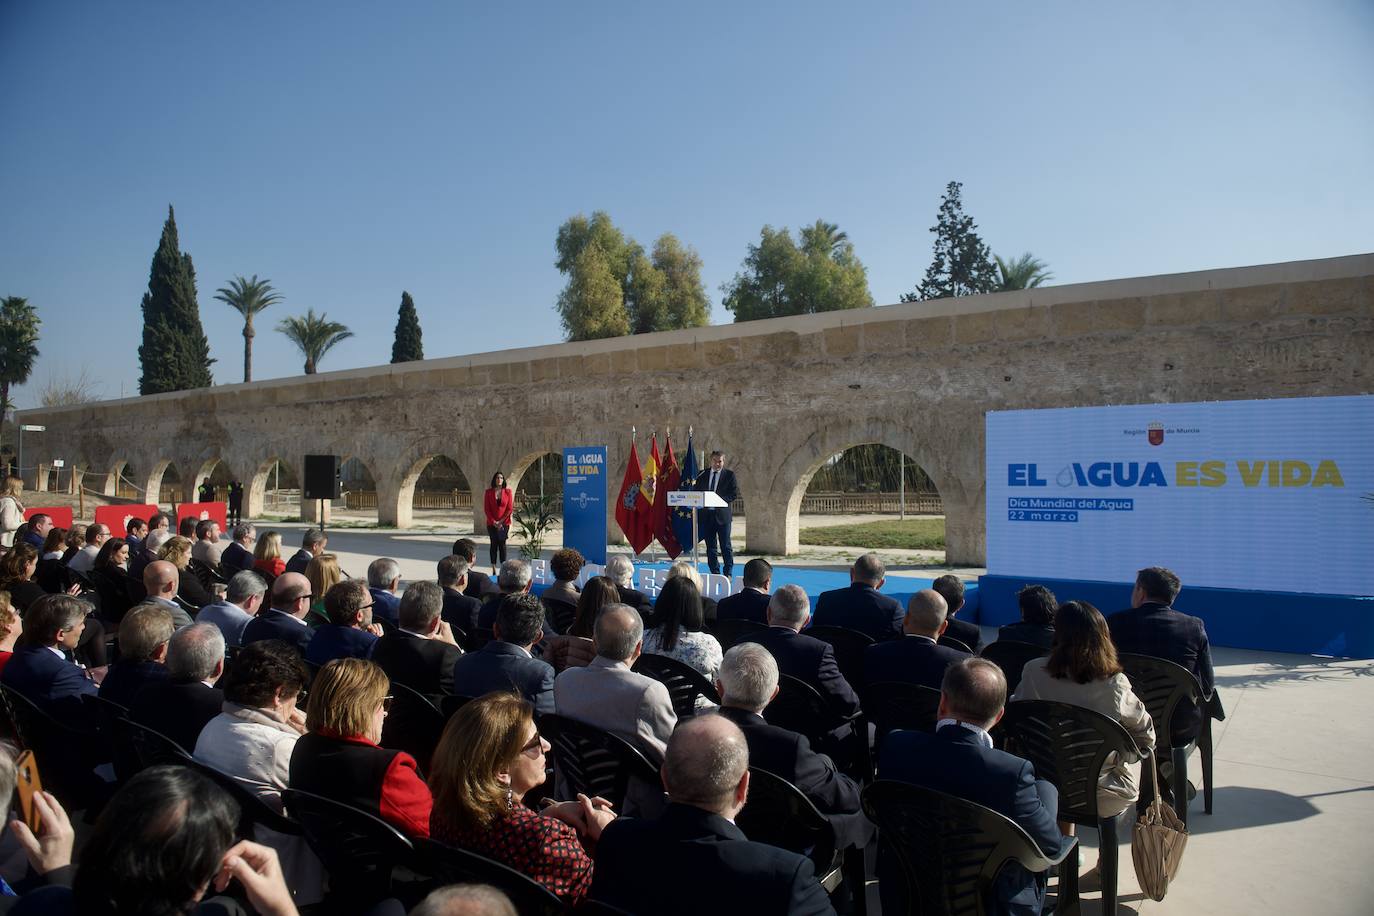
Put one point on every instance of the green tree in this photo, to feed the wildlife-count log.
(780, 278)
(685, 303)
(175, 354)
(19, 323)
(248, 298)
(408, 345)
(592, 305)
(962, 265)
(314, 334)
(1025, 272)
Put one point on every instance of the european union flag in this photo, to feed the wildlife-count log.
(682, 516)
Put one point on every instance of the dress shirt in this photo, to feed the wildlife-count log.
(983, 737)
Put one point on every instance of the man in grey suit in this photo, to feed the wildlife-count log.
(607, 695)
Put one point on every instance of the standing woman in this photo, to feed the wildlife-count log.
(499, 505)
(11, 509)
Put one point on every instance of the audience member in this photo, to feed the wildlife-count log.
(684, 568)
(186, 528)
(575, 649)
(111, 581)
(862, 606)
(505, 663)
(161, 582)
(135, 530)
(1036, 625)
(160, 521)
(181, 706)
(323, 573)
(621, 571)
(607, 695)
(421, 652)
(39, 668)
(53, 543)
(804, 657)
(50, 852)
(350, 632)
(96, 535)
(207, 549)
(916, 658)
(959, 760)
(479, 583)
(678, 634)
(285, 619)
(459, 609)
(951, 588)
(238, 555)
(51, 574)
(17, 568)
(339, 758)
(313, 543)
(240, 604)
(566, 565)
(383, 579)
(192, 593)
(706, 773)
(489, 756)
(1153, 627)
(11, 628)
(267, 557)
(751, 602)
(748, 682)
(465, 900)
(514, 578)
(75, 541)
(143, 636)
(1082, 670)
(11, 509)
(138, 565)
(36, 534)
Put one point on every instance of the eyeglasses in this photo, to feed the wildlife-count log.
(386, 703)
(365, 607)
(535, 744)
(302, 697)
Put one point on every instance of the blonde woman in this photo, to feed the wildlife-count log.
(11, 628)
(324, 573)
(11, 509)
(177, 551)
(686, 569)
(267, 557)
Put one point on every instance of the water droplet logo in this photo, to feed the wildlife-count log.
(1065, 478)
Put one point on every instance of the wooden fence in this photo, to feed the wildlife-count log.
(812, 503)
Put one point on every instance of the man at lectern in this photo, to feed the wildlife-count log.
(715, 523)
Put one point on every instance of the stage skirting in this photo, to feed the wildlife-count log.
(1275, 621)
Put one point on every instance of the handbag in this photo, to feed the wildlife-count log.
(1158, 842)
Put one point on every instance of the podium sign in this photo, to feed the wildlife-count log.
(584, 501)
(696, 499)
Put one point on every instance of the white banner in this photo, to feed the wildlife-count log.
(1274, 495)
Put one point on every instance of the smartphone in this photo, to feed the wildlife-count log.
(28, 785)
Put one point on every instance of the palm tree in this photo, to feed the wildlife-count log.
(823, 237)
(314, 334)
(19, 323)
(1025, 272)
(248, 297)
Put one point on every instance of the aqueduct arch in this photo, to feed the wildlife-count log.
(779, 396)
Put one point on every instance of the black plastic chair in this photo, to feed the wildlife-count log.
(953, 643)
(800, 708)
(849, 646)
(253, 811)
(1162, 685)
(1069, 746)
(948, 851)
(413, 724)
(684, 682)
(125, 759)
(450, 865)
(777, 813)
(560, 613)
(1011, 657)
(148, 747)
(891, 705)
(360, 852)
(477, 638)
(594, 762)
(66, 754)
(734, 630)
(450, 703)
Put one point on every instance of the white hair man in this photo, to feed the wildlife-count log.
(621, 571)
(383, 581)
(238, 555)
(514, 578)
(803, 657)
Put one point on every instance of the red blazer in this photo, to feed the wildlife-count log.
(499, 505)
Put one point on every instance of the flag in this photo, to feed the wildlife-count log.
(627, 506)
(682, 515)
(644, 510)
(668, 478)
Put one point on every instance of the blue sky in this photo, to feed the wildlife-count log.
(348, 151)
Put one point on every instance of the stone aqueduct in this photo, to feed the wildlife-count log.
(780, 396)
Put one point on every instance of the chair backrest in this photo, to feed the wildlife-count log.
(458, 866)
(65, 753)
(1161, 685)
(800, 708)
(452, 702)
(149, 747)
(413, 724)
(1011, 657)
(891, 705)
(1068, 746)
(477, 638)
(684, 682)
(777, 813)
(592, 761)
(252, 809)
(560, 613)
(948, 850)
(358, 850)
(734, 630)
(951, 642)
(849, 646)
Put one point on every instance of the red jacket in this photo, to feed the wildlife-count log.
(353, 770)
(499, 506)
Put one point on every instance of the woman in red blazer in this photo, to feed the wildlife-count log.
(499, 505)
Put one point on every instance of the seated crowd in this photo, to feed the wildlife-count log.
(282, 674)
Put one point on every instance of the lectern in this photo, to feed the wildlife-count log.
(695, 499)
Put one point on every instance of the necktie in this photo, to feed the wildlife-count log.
(714, 474)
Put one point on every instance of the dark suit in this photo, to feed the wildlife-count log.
(54, 684)
(385, 604)
(299, 561)
(1036, 634)
(479, 583)
(723, 872)
(460, 611)
(125, 678)
(639, 601)
(503, 666)
(789, 755)
(911, 660)
(332, 641)
(860, 607)
(715, 523)
(967, 633)
(1159, 630)
(956, 762)
(235, 559)
(275, 624)
(177, 709)
(423, 665)
(749, 604)
(813, 661)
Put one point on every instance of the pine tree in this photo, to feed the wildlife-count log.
(408, 345)
(963, 263)
(175, 354)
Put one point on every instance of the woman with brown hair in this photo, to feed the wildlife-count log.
(110, 577)
(489, 756)
(498, 504)
(339, 757)
(575, 649)
(323, 573)
(17, 567)
(1082, 670)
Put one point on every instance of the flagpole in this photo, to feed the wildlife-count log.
(696, 538)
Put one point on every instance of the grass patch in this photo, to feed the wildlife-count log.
(912, 534)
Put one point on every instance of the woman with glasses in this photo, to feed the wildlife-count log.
(490, 755)
(339, 757)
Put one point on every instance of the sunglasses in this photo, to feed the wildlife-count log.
(534, 744)
(386, 703)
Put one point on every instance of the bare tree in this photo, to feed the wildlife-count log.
(67, 391)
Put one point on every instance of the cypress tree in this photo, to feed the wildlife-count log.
(408, 345)
(175, 354)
